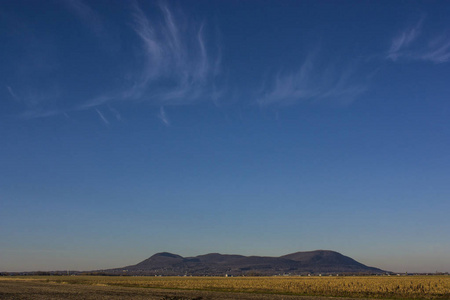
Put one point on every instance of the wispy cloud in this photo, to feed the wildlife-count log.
(402, 41)
(163, 116)
(41, 113)
(116, 113)
(32, 71)
(174, 64)
(95, 102)
(312, 83)
(177, 69)
(175, 60)
(411, 44)
(102, 117)
(13, 94)
(40, 102)
(38, 110)
(438, 50)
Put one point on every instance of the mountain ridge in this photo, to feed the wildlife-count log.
(217, 264)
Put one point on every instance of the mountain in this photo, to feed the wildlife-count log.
(299, 263)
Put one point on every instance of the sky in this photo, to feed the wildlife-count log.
(129, 128)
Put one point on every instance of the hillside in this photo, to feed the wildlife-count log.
(299, 263)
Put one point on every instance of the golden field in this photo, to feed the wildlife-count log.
(399, 287)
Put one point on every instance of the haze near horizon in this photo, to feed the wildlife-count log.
(256, 128)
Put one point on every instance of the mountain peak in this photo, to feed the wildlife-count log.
(166, 254)
(298, 263)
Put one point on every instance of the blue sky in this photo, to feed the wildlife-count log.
(133, 127)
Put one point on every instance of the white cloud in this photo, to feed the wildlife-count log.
(176, 69)
(102, 117)
(173, 62)
(438, 50)
(95, 102)
(411, 45)
(403, 41)
(163, 116)
(313, 83)
(174, 65)
(116, 113)
(41, 113)
(13, 94)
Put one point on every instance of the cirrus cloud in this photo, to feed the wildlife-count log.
(411, 45)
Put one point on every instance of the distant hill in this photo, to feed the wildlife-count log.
(299, 263)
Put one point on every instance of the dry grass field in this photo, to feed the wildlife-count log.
(380, 287)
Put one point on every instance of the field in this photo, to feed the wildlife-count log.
(372, 287)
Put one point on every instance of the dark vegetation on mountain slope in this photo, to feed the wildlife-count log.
(299, 263)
